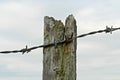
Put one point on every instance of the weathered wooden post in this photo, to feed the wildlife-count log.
(59, 61)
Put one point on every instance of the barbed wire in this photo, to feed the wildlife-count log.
(27, 50)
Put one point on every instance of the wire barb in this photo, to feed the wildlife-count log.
(109, 29)
(27, 50)
(24, 50)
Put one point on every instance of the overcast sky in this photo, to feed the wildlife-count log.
(21, 23)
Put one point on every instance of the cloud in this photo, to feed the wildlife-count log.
(21, 78)
(86, 12)
(17, 66)
(96, 54)
(21, 17)
(21, 24)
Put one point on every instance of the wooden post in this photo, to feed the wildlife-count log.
(59, 61)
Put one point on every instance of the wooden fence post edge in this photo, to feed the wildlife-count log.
(59, 62)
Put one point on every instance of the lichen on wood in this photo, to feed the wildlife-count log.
(59, 61)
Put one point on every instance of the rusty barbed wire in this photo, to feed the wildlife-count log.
(27, 50)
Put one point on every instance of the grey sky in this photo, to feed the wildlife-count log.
(21, 23)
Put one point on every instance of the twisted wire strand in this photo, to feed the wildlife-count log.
(27, 50)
